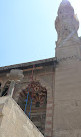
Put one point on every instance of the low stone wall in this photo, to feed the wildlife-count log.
(13, 121)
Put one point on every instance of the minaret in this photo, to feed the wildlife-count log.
(67, 97)
(66, 23)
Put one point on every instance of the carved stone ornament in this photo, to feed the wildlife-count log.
(15, 74)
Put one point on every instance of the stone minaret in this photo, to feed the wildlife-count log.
(66, 22)
(66, 25)
(67, 107)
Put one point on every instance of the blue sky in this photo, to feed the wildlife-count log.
(27, 31)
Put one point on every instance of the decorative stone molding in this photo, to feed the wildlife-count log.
(67, 59)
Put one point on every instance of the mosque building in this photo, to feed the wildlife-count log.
(43, 98)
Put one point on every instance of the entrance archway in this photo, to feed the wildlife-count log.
(33, 101)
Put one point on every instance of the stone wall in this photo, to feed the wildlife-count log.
(13, 121)
(46, 76)
(67, 109)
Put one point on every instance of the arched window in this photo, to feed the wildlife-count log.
(33, 101)
(5, 88)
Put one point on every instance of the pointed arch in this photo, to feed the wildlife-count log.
(38, 94)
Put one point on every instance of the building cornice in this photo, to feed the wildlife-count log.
(22, 66)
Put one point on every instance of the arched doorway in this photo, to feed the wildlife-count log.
(33, 101)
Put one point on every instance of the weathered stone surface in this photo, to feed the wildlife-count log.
(15, 74)
(67, 108)
(13, 121)
(11, 88)
(66, 23)
(45, 75)
(68, 133)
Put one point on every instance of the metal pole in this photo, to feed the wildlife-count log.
(26, 102)
(30, 108)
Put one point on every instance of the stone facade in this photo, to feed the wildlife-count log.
(48, 91)
(43, 73)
